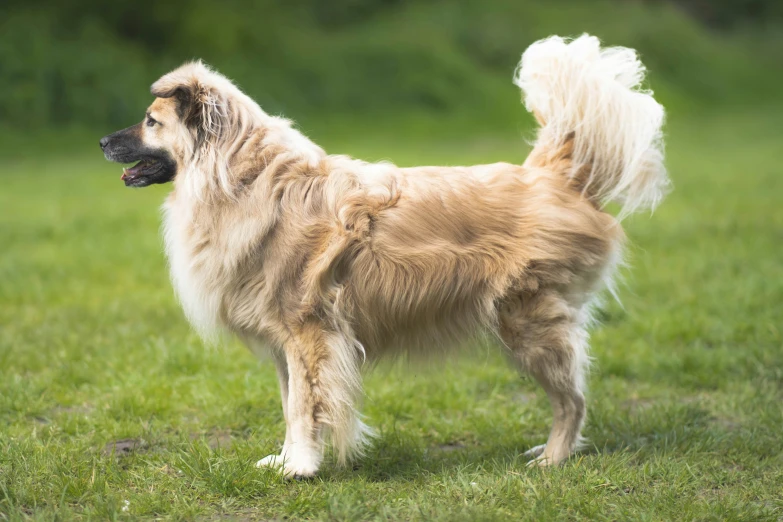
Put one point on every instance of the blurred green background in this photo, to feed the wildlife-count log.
(112, 409)
(91, 62)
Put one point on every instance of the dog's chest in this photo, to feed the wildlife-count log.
(194, 267)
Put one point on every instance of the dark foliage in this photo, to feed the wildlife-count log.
(91, 62)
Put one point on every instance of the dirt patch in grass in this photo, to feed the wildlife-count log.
(449, 447)
(124, 447)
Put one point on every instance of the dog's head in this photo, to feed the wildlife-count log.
(193, 116)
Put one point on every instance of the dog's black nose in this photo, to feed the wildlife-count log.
(104, 141)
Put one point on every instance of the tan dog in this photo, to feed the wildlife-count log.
(330, 261)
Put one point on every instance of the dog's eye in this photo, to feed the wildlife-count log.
(150, 122)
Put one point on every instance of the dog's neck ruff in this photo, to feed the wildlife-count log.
(206, 214)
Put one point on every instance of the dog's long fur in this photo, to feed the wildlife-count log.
(331, 261)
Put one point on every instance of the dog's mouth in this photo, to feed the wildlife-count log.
(149, 170)
(142, 173)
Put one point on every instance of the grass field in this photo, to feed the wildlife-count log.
(110, 408)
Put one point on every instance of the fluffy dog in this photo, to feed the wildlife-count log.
(329, 262)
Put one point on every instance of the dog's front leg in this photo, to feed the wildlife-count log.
(281, 365)
(298, 371)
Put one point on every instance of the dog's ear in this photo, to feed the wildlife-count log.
(200, 103)
(182, 92)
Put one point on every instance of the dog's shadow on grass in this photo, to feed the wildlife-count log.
(403, 464)
(396, 458)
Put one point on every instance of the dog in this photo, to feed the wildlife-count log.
(329, 263)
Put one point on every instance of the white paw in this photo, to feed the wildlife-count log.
(290, 467)
(270, 461)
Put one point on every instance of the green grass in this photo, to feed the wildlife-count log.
(685, 403)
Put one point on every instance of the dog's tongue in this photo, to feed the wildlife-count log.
(132, 171)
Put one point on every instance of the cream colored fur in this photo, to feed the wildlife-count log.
(333, 263)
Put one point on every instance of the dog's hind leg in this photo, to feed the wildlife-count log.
(547, 339)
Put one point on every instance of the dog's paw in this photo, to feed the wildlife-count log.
(270, 461)
(535, 451)
(540, 462)
(538, 457)
(290, 468)
(543, 458)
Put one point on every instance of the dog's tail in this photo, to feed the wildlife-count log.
(597, 125)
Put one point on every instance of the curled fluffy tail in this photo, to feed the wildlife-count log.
(590, 106)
